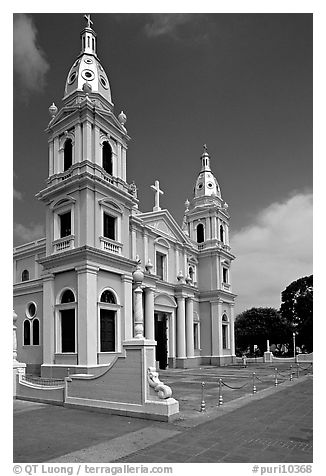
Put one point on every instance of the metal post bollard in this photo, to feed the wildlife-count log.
(291, 373)
(220, 396)
(276, 382)
(298, 371)
(68, 372)
(203, 404)
(254, 389)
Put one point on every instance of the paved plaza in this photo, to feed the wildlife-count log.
(273, 425)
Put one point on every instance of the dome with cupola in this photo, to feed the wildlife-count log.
(87, 74)
(206, 183)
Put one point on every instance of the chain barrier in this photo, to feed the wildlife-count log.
(234, 388)
(253, 378)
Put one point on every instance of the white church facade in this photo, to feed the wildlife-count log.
(107, 275)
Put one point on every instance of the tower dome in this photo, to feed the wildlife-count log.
(206, 183)
(87, 67)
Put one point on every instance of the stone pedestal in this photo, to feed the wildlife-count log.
(268, 357)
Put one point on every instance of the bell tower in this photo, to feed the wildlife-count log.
(87, 196)
(206, 222)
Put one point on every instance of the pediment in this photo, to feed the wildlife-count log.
(165, 225)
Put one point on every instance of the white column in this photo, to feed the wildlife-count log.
(214, 228)
(149, 314)
(97, 147)
(208, 235)
(220, 337)
(78, 144)
(124, 163)
(119, 160)
(145, 237)
(172, 336)
(127, 308)
(50, 157)
(87, 316)
(181, 327)
(185, 267)
(48, 319)
(190, 326)
(232, 342)
(87, 141)
(36, 276)
(227, 242)
(214, 328)
(133, 243)
(138, 277)
(56, 158)
(176, 262)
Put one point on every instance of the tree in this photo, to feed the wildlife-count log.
(297, 309)
(257, 325)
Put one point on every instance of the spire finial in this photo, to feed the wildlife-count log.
(205, 147)
(88, 19)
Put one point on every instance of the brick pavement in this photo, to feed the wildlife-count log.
(275, 429)
(275, 425)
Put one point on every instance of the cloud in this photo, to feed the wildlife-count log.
(17, 195)
(179, 26)
(273, 251)
(30, 64)
(25, 234)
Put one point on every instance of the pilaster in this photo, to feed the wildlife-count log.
(190, 326)
(48, 319)
(127, 309)
(87, 315)
(149, 314)
(181, 327)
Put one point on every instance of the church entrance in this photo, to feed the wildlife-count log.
(160, 320)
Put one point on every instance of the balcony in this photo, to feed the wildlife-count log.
(63, 244)
(226, 286)
(110, 245)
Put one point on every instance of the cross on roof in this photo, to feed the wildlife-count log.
(158, 192)
(89, 21)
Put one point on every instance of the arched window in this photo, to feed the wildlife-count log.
(25, 275)
(107, 157)
(200, 233)
(27, 333)
(67, 154)
(67, 296)
(36, 332)
(108, 297)
(222, 233)
(191, 273)
(225, 331)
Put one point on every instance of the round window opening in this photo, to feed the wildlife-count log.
(88, 74)
(72, 77)
(210, 185)
(88, 61)
(104, 82)
(200, 185)
(31, 310)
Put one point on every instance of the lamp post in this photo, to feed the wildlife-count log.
(293, 344)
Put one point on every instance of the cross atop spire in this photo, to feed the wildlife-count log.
(158, 192)
(205, 147)
(88, 19)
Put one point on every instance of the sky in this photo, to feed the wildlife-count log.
(241, 83)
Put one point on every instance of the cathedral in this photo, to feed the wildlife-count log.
(108, 278)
